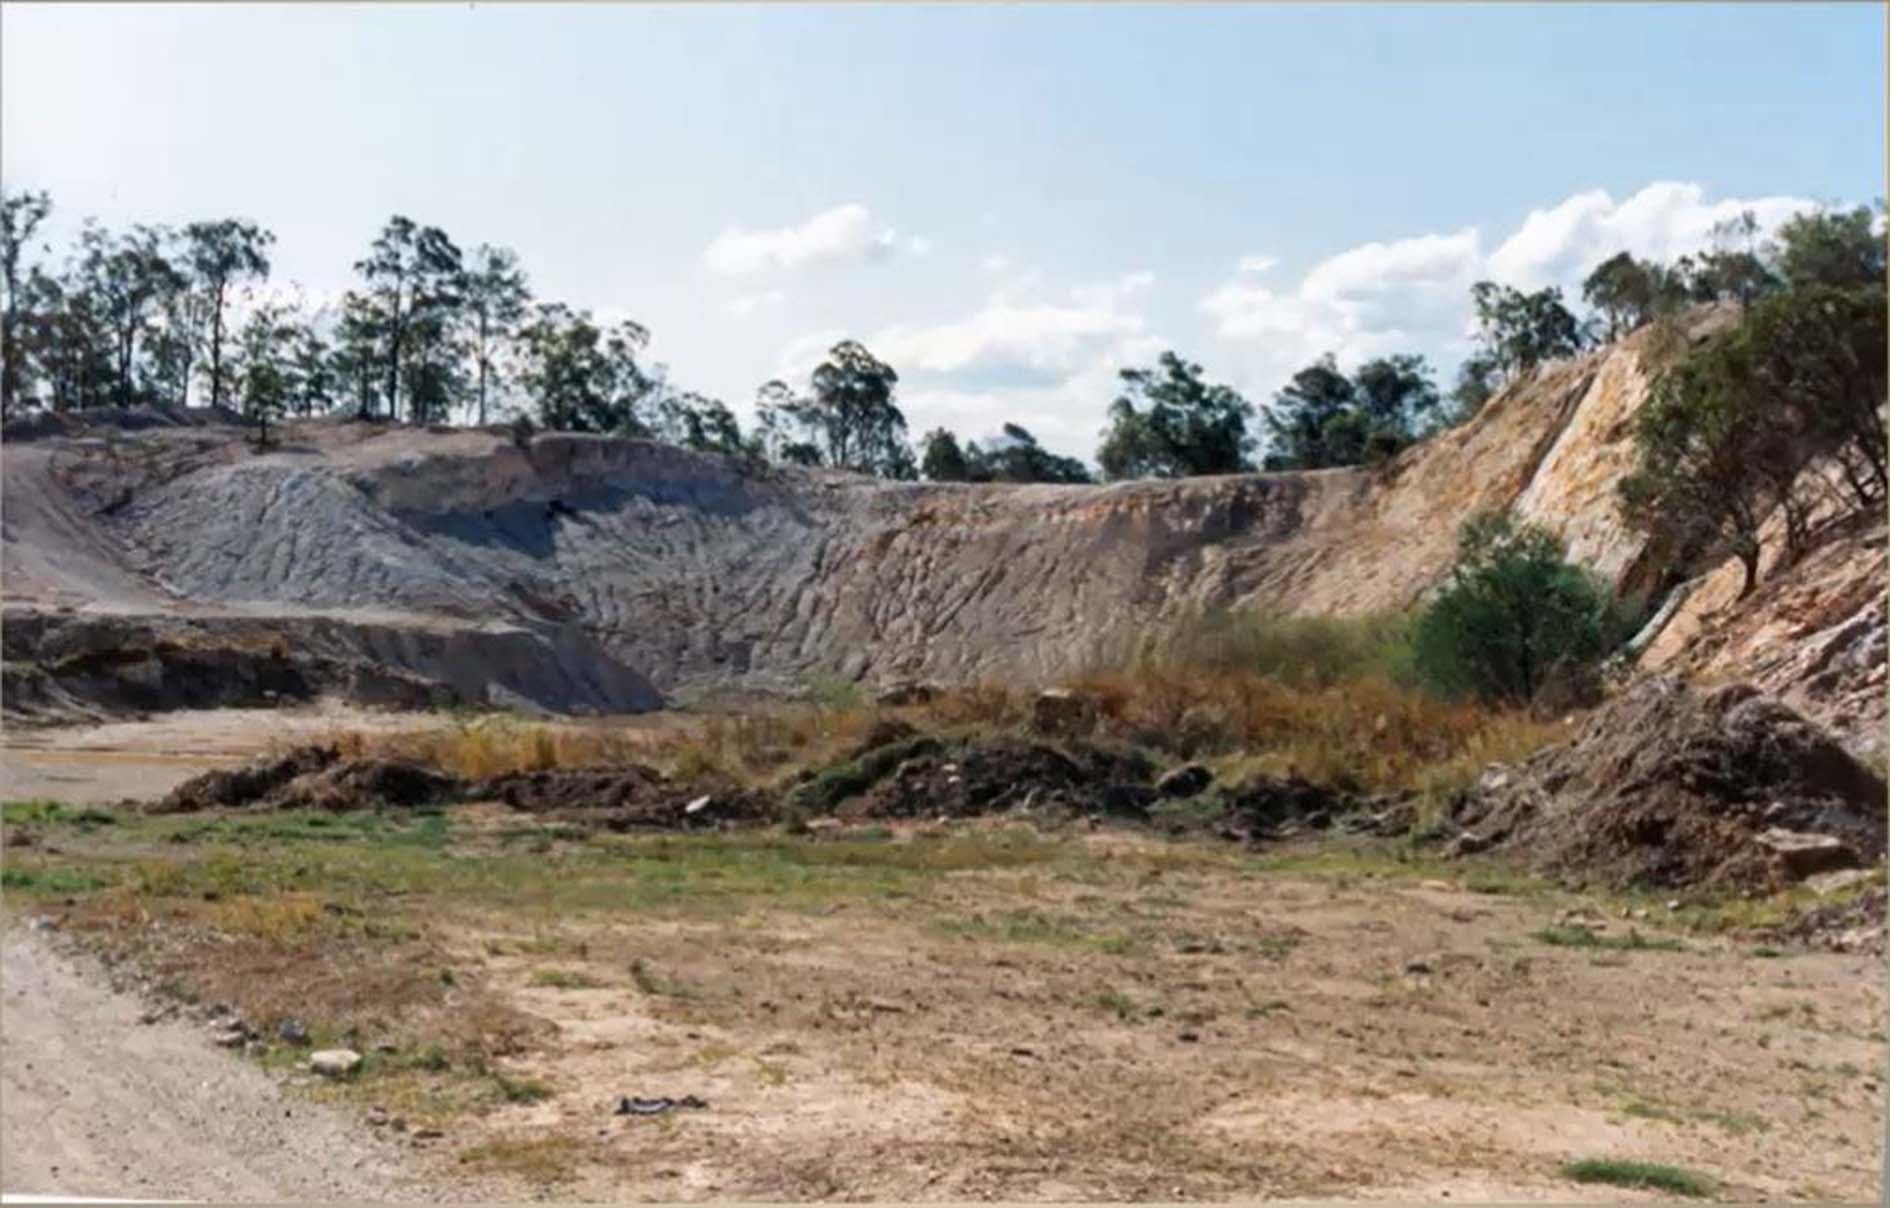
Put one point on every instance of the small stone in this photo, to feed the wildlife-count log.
(334, 1063)
(1185, 781)
(427, 1134)
(1801, 853)
(1825, 883)
(699, 804)
(1417, 966)
(1188, 1037)
(292, 1031)
(229, 1038)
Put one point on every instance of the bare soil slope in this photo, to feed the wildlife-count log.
(163, 567)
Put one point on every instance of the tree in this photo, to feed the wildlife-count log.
(413, 277)
(1515, 617)
(1699, 441)
(20, 216)
(1324, 418)
(1735, 266)
(696, 421)
(312, 369)
(219, 256)
(355, 357)
(851, 414)
(1015, 456)
(1622, 289)
(495, 296)
(1828, 247)
(942, 459)
(782, 424)
(131, 277)
(263, 374)
(1169, 423)
(1516, 330)
(580, 377)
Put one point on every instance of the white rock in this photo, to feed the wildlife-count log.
(334, 1063)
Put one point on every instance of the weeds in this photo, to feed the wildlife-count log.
(1582, 937)
(1652, 1176)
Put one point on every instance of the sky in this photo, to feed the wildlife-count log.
(1008, 203)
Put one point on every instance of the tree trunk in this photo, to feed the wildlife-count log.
(216, 348)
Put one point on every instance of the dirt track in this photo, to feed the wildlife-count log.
(99, 1104)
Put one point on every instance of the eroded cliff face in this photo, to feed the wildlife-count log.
(683, 573)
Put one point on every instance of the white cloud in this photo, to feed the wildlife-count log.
(1412, 294)
(1662, 221)
(995, 263)
(843, 233)
(1254, 263)
(1017, 341)
(747, 304)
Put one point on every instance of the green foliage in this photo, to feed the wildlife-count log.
(1730, 430)
(584, 378)
(220, 256)
(1841, 249)
(1516, 330)
(1014, 456)
(848, 419)
(493, 300)
(413, 278)
(1324, 418)
(1651, 1176)
(1622, 289)
(20, 217)
(1515, 618)
(942, 459)
(1170, 423)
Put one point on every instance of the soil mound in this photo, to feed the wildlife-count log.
(927, 779)
(631, 797)
(313, 777)
(1665, 786)
(1264, 804)
(1853, 926)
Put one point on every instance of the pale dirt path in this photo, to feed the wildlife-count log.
(92, 1102)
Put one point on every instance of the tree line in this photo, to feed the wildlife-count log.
(430, 333)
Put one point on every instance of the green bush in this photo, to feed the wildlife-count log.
(1517, 621)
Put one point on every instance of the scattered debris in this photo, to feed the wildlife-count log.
(632, 1106)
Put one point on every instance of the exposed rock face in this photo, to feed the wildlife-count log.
(583, 573)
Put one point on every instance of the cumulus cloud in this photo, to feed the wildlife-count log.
(1253, 263)
(844, 233)
(748, 304)
(1412, 294)
(1020, 341)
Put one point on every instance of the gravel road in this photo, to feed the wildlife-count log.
(95, 1103)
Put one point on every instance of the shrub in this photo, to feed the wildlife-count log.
(1296, 651)
(1516, 620)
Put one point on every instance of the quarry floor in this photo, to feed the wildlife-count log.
(921, 1012)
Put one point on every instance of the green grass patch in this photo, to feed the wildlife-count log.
(1651, 1176)
(49, 880)
(1036, 927)
(1582, 937)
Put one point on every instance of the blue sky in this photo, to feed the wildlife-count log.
(1006, 202)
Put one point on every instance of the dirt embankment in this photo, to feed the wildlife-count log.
(695, 573)
(1668, 787)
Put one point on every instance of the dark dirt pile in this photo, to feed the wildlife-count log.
(924, 777)
(1668, 787)
(629, 797)
(313, 777)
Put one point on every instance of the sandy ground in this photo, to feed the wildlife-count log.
(99, 1104)
(1129, 1019)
